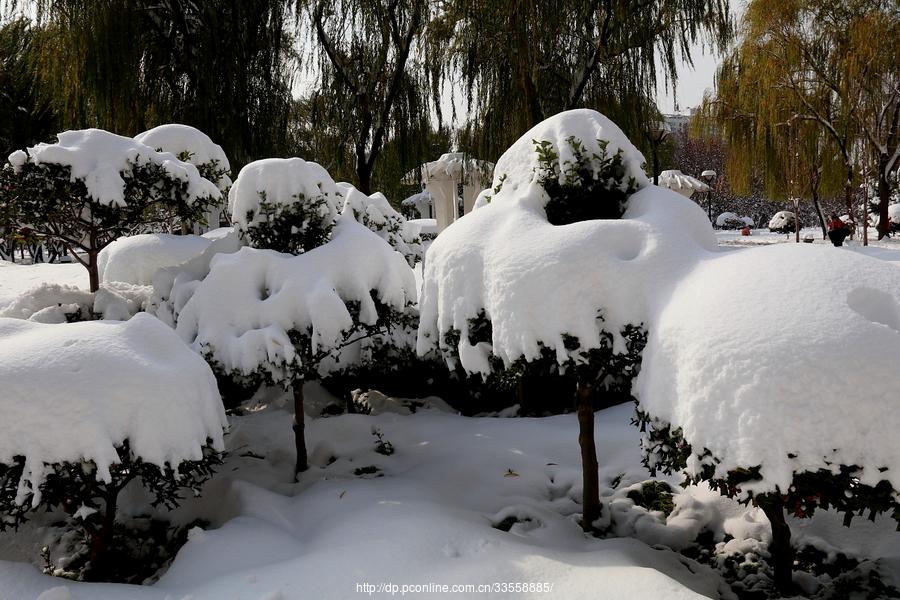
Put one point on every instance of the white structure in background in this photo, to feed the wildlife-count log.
(685, 185)
(423, 203)
(453, 181)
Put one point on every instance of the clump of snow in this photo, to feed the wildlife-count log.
(98, 158)
(51, 303)
(817, 363)
(376, 213)
(61, 303)
(182, 278)
(280, 181)
(134, 259)
(75, 392)
(244, 308)
(677, 181)
(783, 220)
(191, 143)
(422, 202)
(538, 282)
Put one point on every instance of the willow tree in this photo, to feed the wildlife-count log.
(520, 62)
(371, 86)
(25, 118)
(829, 63)
(127, 65)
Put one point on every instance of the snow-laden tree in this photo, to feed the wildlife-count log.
(287, 315)
(92, 186)
(557, 267)
(193, 146)
(787, 407)
(376, 213)
(90, 407)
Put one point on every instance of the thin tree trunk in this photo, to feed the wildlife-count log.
(589, 467)
(884, 198)
(93, 271)
(781, 551)
(299, 429)
(100, 538)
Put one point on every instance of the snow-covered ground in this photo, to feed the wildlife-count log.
(426, 514)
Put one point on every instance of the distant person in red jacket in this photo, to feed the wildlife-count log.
(837, 230)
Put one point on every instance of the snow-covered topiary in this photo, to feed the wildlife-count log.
(783, 222)
(683, 184)
(729, 220)
(556, 269)
(92, 186)
(265, 316)
(89, 407)
(376, 213)
(791, 406)
(134, 259)
(193, 146)
(286, 204)
(60, 303)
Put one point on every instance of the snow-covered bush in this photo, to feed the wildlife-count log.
(554, 271)
(88, 408)
(729, 220)
(789, 407)
(419, 205)
(285, 204)
(376, 213)
(59, 303)
(92, 186)
(783, 222)
(193, 146)
(134, 259)
(260, 316)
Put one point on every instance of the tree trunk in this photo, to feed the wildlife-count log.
(100, 538)
(299, 429)
(589, 467)
(364, 174)
(884, 198)
(781, 551)
(93, 271)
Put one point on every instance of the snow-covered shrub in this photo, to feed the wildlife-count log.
(260, 316)
(88, 408)
(729, 220)
(191, 145)
(551, 274)
(376, 213)
(92, 186)
(783, 222)
(134, 259)
(60, 303)
(285, 204)
(419, 205)
(790, 408)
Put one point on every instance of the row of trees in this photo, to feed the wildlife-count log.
(358, 83)
(809, 99)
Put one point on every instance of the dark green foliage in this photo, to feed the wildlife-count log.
(654, 495)
(382, 446)
(74, 486)
(594, 186)
(44, 198)
(293, 227)
(666, 450)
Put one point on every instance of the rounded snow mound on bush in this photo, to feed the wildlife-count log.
(244, 310)
(782, 221)
(183, 140)
(280, 181)
(75, 392)
(136, 258)
(520, 165)
(730, 220)
(376, 213)
(761, 369)
(98, 158)
(537, 282)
